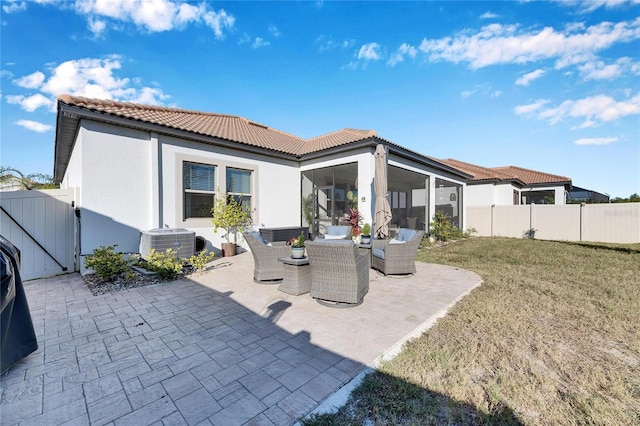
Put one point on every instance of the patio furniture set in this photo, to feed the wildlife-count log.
(335, 270)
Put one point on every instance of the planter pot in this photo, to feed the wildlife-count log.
(366, 240)
(357, 239)
(297, 252)
(228, 249)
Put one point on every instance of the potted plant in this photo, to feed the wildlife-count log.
(354, 218)
(229, 215)
(366, 234)
(297, 246)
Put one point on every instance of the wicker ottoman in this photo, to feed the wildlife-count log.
(297, 276)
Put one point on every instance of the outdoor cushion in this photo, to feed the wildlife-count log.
(335, 237)
(333, 241)
(258, 236)
(341, 230)
(378, 252)
(405, 234)
(394, 241)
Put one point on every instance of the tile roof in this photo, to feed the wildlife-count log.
(229, 127)
(333, 139)
(221, 126)
(530, 177)
(478, 172)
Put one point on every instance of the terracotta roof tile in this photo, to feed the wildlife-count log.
(531, 176)
(333, 139)
(478, 172)
(222, 126)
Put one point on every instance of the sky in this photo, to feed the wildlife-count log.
(551, 86)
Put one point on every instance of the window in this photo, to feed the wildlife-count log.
(239, 186)
(199, 185)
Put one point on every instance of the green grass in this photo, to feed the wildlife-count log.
(552, 336)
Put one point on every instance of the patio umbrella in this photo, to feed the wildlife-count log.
(383, 209)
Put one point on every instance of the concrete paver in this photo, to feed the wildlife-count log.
(214, 349)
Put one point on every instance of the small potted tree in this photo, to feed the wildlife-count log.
(229, 215)
(366, 234)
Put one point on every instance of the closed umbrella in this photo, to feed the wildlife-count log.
(383, 209)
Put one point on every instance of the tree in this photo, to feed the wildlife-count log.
(633, 198)
(10, 176)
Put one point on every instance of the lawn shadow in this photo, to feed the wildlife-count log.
(385, 399)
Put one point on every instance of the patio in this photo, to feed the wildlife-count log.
(211, 349)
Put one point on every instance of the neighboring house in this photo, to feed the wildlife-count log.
(139, 167)
(511, 185)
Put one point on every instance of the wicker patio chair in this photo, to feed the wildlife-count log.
(267, 267)
(339, 273)
(397, 256)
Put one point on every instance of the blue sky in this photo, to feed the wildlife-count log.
(551, 86)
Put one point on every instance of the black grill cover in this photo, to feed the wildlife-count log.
(17, 336)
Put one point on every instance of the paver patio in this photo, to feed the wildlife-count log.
(212, 349)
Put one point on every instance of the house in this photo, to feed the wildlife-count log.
(511, 185)
(139, 167)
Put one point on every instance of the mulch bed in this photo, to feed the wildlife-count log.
(134, 279)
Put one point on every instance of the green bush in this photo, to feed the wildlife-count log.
(166, 264)
(106, 262)
(200, 260)
(442, 229)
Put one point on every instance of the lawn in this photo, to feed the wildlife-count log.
(552, 336)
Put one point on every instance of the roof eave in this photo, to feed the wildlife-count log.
(68, 121)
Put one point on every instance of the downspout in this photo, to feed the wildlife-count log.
(156, 180)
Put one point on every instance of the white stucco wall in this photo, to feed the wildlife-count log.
(480, 195)
(276, 186)
(115, 185)
(504, 194)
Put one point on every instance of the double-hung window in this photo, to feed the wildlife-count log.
(199, 183)
(239, 186)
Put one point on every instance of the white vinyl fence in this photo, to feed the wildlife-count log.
(41, 224)
(611, 223)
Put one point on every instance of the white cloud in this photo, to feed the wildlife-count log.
(327, 43)
(30, 103)
(260, 42)
(489, 15)
(594, 110)
(529, 108)
(587, 6)
(496, 94)
(369, 52)
(403, 51)
(90, 77)
(12, 6)
(152, 16)
(595, 141)
(509, 44)
(34, 126)
(31, 81)
(529, 77)
(274, 31)
(467, 93)
(598, 70)
(219, 22)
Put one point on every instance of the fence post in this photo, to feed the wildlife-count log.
(581, 213)
(493, 207)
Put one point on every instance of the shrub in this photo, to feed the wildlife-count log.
(106, 262)
(442, 229)
(166, 264)
(199, 261)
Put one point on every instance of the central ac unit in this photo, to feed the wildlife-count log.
(181, 240)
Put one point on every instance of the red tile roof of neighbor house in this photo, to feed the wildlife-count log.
(525, 176)
(530, 177)
(478, 172)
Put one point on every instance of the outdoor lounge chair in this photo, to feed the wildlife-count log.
(339, 272)
(265, 256)
(338, 232)
(397, 256)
